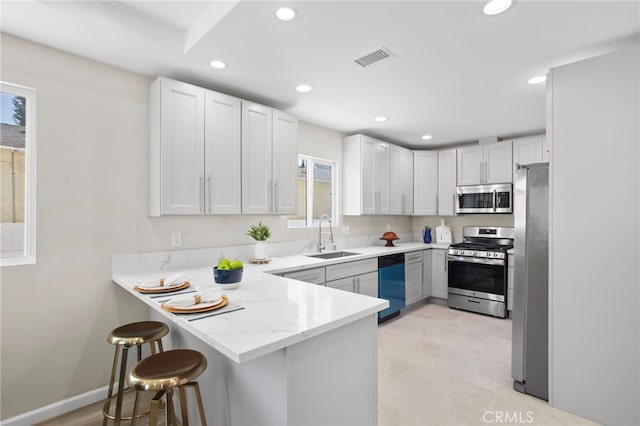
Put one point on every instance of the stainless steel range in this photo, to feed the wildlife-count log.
(478, 270)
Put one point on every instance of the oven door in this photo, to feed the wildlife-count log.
(477, 277)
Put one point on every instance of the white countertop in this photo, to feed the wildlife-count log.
(278, 312)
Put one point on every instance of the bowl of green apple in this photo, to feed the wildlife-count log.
(228, 273)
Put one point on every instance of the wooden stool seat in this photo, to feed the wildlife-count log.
(162, 373)
(124, 337)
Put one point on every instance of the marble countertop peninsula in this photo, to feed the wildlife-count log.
(276, 312)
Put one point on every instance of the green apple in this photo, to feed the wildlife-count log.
(235, 264)
(224, 267)
(223, 262)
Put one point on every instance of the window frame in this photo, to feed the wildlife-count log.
(308, 221)
(30, 94)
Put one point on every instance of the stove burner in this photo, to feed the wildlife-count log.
(481, 246)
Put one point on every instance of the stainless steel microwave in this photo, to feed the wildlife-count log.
(496, 198)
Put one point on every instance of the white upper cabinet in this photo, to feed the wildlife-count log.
(211, 153)
(269, 152)
(381, 176)
(366, 177)
(485, 163)
(222, 153)
(407, 182)
(447, 182)
(526, 150)
(401, 181)
(285, 160)
(425, 184)
(470, 165)
(498, 163)
(194, 150)
(257, 144)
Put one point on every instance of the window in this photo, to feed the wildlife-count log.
(316, 191)
(17, 174)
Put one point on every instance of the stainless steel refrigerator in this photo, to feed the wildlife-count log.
(530, 314)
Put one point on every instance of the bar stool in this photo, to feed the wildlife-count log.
(162, 373)
(124, 337)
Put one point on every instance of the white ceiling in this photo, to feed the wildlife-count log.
(458, 75)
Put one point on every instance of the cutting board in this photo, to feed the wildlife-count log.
(443, 233)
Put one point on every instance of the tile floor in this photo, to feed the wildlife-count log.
(439, 366)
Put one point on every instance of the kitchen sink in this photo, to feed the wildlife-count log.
(332, 255)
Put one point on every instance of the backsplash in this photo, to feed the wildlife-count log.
(458, 222)
(141, 263)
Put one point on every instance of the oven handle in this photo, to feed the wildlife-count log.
(464, 259)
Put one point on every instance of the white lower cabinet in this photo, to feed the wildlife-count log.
(413, 277)
(360, 276)
(426, 273)
(346, 284)
(313, 276)
(367, 284)
(439, 278)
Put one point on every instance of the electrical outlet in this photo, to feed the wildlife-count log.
(346, 230)
(176, 239)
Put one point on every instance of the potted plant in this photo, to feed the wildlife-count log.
(426, 234)
(260, 233)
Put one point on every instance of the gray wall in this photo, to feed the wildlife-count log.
(594, 276)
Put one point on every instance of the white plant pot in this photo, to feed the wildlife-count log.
(261, 250)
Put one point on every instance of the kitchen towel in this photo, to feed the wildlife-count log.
(212, 295)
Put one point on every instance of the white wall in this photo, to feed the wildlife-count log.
(92, 192)
(594, 276)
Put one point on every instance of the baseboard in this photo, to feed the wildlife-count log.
(57, 408)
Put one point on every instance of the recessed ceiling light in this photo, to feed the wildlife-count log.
(496, 7)
(537, 80)
(303, 88)
(381, 118)
(218, 65)
(286, 13)
(427, 137)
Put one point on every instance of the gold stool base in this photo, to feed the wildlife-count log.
(106, 408)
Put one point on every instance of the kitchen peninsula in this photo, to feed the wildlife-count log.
(297, 353)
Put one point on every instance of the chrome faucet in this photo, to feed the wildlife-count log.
(321, 245)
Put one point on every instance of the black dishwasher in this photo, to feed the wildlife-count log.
(391, 284)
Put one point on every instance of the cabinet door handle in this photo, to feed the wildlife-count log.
(486, 171)
(270, 196)
(454, 204)
(201, 193)
(209, 202)
(276, 197)
(445, 263)
(357, 284)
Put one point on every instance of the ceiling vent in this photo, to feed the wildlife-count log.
(380, 55)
